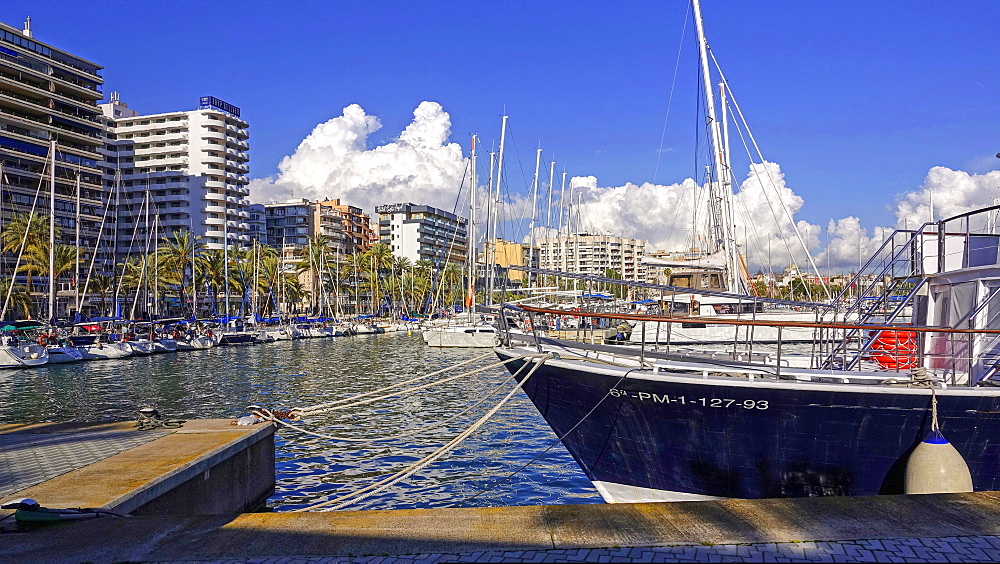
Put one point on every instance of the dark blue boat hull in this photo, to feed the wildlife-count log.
(754, 441)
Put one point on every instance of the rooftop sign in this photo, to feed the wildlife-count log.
(211, 102)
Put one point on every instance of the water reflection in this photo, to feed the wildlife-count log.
(220, 382)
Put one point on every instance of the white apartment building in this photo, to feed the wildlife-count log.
(184, 170)
(423, 233)
(589, 254)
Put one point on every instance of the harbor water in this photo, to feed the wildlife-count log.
(514, 459)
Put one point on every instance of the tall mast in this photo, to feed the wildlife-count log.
(562, 202)
(225, 258)
(490, 245)
(498, 182)
(194, 268)
(52, 235)
(548, 209)
(472, 235)
(145, 259)
(76, 223)
(720, 195)
(534, 213)
(156, 264)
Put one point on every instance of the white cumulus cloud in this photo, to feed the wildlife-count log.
(335, 161)
(666, 215)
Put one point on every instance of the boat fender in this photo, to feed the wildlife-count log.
(935, 466)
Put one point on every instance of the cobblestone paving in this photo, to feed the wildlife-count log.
(27, 459)
(947, 549)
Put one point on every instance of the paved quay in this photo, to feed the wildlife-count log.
(203, 465)
(924, 528)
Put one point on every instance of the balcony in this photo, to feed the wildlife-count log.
(212, 197)
(208, 134)
(209, 159)
(215, 209)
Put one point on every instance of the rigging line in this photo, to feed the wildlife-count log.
(411, 433)
(396, 393)
(368, 491)
(798, 235)
(24, 241)
(305, 410)
(520, 222)
(767, 198)
(451, 245)
(670, 99)
(547, 448)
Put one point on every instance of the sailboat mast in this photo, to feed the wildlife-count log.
(490, 245)
(720, 198)
(76, 224)
(498, 181)
(225, 258)
(52, 235)
(472, 234)
(534, 212)
(562, 202)
(548, 209)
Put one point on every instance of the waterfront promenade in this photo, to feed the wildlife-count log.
(929, 528)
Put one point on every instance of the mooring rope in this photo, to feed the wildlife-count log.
(338, 404)
(269, 415)
(558, 439)
(368, 491)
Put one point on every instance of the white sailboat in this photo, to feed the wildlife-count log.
(721, 270)
(471, 334)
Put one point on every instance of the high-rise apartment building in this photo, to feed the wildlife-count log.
(423, 233)
(594, 255)
(174, 171)
(357, 232)
(48, 98)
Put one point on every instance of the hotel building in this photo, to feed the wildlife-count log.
(423, 233)
(185, 170)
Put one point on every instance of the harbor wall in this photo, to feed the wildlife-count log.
(238, 480)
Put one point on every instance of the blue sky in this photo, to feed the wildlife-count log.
(855, 100)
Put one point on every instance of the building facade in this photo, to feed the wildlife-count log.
(593, 255)
(423, 233)
(48, 99)
(357, 230)
(178, 171)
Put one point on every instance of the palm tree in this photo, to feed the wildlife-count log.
(23, 234)
(104, 285)
(212, 271)
(20, 302)
(177, 254)
(380, 258)
(313, 259)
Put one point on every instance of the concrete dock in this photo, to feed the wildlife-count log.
(185, 491)
(204, 467)
(945, 528)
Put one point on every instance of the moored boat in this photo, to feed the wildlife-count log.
(664, 424)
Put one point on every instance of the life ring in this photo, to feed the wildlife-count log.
(896, 350)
